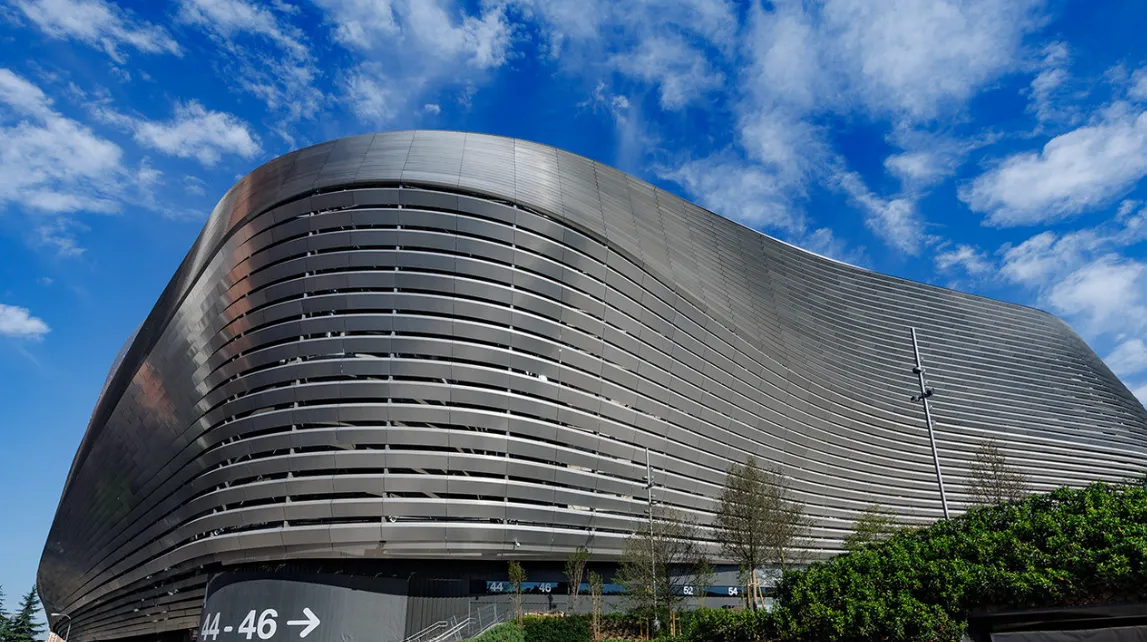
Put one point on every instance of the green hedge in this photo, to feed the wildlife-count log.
(504, 632)
(722, 625)
(573, 628)
(1071, 546)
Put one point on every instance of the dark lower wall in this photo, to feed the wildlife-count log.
(347, 606)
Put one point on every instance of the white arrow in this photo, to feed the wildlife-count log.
(311, 623)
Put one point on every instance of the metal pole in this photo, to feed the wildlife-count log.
(925, 392)
(652, 551)
(68, 632)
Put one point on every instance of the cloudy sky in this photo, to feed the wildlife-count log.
(997, 147)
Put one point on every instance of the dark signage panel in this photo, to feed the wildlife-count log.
(562, 588)
(290, 610)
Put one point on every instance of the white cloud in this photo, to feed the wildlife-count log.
(406, 48)
(1082, 275)
(681, 72)
(743, 192)
(907, 61)
(284, 79)
(1141, 393)
(1051, 78)
(894, 220)
(57, 203)
(194, 185)
(229, 18)
(358, 23)
(970, 260)
(54, 167)
(1037, 259)
(1075, 172)
(372, 97)
(634, 139)
(58, 234)
(673, 47)
(1048, 256)
(19, 323)
(918, 58)
(1108, 294)
(99, 24)
(432, 108)
(51, 163)
(919, 166)
(930, 155)
(22, 96)
(1128, 358)
(1138, 88)
(194, 132)
(823, 242)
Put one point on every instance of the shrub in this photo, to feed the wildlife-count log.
(572, 628)
(621, 626)
(722, 625)
(1070, 546)
(504, 632)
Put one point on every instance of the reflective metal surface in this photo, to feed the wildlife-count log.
(434, 344)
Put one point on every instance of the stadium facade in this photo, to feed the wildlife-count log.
(417, 355)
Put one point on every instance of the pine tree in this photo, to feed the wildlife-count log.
(23, 626)
(3, 618)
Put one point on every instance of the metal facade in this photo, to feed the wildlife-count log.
(433, 344)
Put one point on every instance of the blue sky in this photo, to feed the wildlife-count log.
(994, 147)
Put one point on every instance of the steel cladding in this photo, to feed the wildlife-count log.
(435, 344)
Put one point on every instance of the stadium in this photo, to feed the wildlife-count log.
(393, 362)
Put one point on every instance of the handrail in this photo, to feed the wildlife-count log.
(457, 630)
(498, 619)
(454, 630)
(417, 637)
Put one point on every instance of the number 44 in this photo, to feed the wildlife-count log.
(210, 628)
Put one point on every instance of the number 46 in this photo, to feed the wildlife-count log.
(266, 628)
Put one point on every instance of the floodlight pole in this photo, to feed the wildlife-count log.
(926, 392)
(649, 484)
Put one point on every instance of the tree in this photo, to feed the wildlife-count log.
(703, 577)
(874, 525)
(517, 578)
(3, 618)
(660, 569)
(786, 538)
(596, 601)
(22, 626)
(575, 569)
(758, 522)
(993, 480)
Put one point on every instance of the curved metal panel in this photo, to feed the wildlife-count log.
(437, 344)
